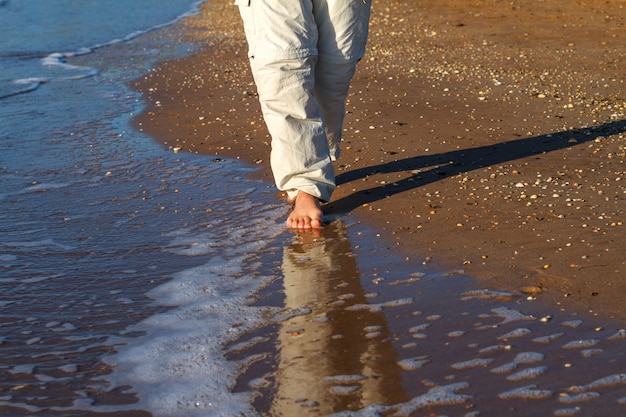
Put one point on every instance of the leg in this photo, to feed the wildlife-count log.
(343, 30)
(300, 158)
(282, 36)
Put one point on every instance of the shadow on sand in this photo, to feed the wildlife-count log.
(432, 168)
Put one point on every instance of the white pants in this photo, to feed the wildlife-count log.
(303, 54)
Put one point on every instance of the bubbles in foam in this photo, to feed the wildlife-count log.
(439, 396)
(69, 368)
(435, 397)
(529, 357)
(581, 344)
(578, 398)
(178, 366)
(344, 379)
(515, 334)
(286, 315)
(346, 296)
(510, 316)
(381, 306)
(370, 329)
(495, 348)
(193, 245)
(526, 393)
(259, 382)
(525, 358)
(611, 380)
(22, 369)
(588, 353)
(549, 338)
(247, 344)
(345, 390)
(488, 294)
(472, 363)
(619, 335)
(530, 373)
(572, 323)
(419, 328)
(412, 364)
(567, 412)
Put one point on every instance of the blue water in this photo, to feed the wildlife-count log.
(129, 273)
(94, 215)
(36, 37)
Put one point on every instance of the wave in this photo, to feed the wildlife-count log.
(60, 59)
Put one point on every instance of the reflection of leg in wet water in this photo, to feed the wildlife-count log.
(337, 359)
(329, 359)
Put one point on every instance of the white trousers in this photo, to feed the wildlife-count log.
(303, 54)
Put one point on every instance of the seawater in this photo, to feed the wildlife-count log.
(135, 281)
(36, 37)
(94, 216)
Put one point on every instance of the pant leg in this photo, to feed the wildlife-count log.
(343, 30)
(282, 38)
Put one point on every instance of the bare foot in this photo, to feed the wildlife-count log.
(306, 214)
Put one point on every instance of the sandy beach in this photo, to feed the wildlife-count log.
(486, 137)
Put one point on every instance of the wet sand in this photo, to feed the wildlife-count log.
(486, 137)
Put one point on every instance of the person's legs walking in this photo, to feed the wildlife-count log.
(302, 55)
(343, 30)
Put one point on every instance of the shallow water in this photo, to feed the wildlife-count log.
(137, 281)
(367, 334)
(95, 215)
